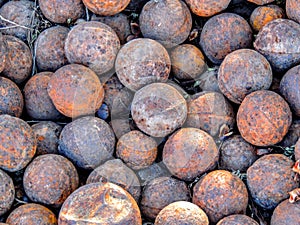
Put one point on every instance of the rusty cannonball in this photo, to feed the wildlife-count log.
(292, 136)
(19, 60)
(286, 214)
(93, 44)
(31, 213)
(237, 219)
(208, 81)
(167, 21)
(243, 72)
(265, 14)
(49, 179)
(18, 143)
(7, 192)
(264, 118)
(237, 154)
(289, 88)
(187, 62)
(158, 109)
(279, 42)
(206, 8)
(270, 179)
(100, 203)
(292, 10)
(160, 192)
(87, 142)
(142, 61)
(189, 153)
(19, 12)
(223, 34)
(3, 52)
(104, 7)
(75, 90)
(136, 149)
(11, 98)
(210, 111)
(58, 11)
(38, 103)
(297, 150)
(119, 23)
(115, 171)
(47, 135)
(181, 212)
(219, 194)
(261, 2)
(50, 48)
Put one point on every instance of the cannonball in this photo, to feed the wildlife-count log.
(160, 192)
(237, 219)
(243, 72)
(87, 142)
(3, 52)
(136, 149)
(101, 203)
(292, 136)
(264, 118)
(167, 21)
(158, 109)
(104, 7)
(7, 192)
(50, 48)
(297, 150)
(286, 214)
(38, 103)
(270, 179)
(93, 44)
(292, 7)
(289, 88)
(189, 153)
(220, 194)
(223, 34)
(210, 111)
(181, 212)
(47, 136)
(75, 90)
(18, 143)
(62, 11)
(207, 8)
(115, 171)
(11, 98)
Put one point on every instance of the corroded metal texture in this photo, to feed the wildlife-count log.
(181, 212)
(190, 152)
(106, 8)
(279, 42)
(264, 118)
(237, 219)
(243, 72)
(292, 10)
(142, 61)
(37, 100)
(160, 192)
(31, 213)
(115, 206)
(286, 214)
(290, 89)
(75, 90)
(50, 48)
(49, 179)
(210, 111)
(136, 149)
(158, 109)
(87, 142)
(115, 171)
(261, 2)
(206, 8)
(219, 194)
(3, 52)
(167, 21)
(93, 44)
(47, 134)
(223, 34)
(292, 136)
(18, 143)
(270, 179)
(265, 14)
(11, 98)
(7, 192)
(19, 60)
(297, 150)
(60, 11)
(237, 154)
(187, 62)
